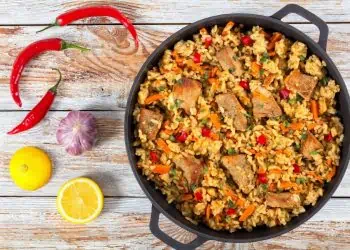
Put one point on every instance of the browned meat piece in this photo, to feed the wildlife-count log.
(191, 167)
(303, 84)
(283, 200)
(228, 61)
(240, 171)
(264, 105)
(150, 123)
(233, 109)
(310, 145)
(187, 92)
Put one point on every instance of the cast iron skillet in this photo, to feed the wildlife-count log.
(160, 205)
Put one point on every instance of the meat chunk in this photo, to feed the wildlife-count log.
(233, 109)
(301, 83)
(191, 167)
(283, 200)
(310, 145)
(150, 123)
(187, 92)
(228, 61)
(264, 105)
(241, 172)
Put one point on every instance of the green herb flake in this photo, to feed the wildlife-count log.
(231, 151)
(302, 58)
(161, 88)
(172, 172)
(193, 187)
(264, 187)
(180, 81)
(205, 170)
(313, 153)
(178, 103)
(292, 101)
(172, 138)
(262, 71)
(286, 123)
(324, 81)
(303, 136)
(296, 146)
(172, 106)
(231, 70)
(204, 77)
(235, 57)
(299, 98)
(264, 57)
(204, 121)
(228, 219)
(300, 180)
(178, 119)
(231, 204)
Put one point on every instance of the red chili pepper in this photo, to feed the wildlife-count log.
(329, 137)
(230, 211)
(244, 84)
(153, 156)
(207, 42)
(39, 111)
(284, 93)
(94, 11)
(247, 41)
(28, 53)
(181, 137)
(261, 140)
(262, 178)
(196, 57)
(206, 132)
(296, 169)
(198, 196)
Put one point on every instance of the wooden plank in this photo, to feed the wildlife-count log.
(164, 11)
(101, 79)
(107, 163)
(35, 223)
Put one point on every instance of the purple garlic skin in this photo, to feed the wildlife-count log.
(77, 132)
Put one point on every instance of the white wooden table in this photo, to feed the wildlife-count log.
(99, 81)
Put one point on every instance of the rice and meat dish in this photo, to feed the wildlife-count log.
(238, 128)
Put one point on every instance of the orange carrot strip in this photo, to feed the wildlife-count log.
(272, 53)
(230, 193)
(329, 162)
(227, 28)
(186, 197)
(255, 68)
(217, 218)
(268, 80)
(153, 98)
(296, 125)
(261, 170)
(331, 173)
(214, 136)
(161, 169)
(275, 38)
(168, 131)
(275, 171)
(248, 212)
(314, 109)
(272, 186)
(213, 72)
(162, 144)
(213, 81)
(252, 151)
(311, 126)
(215, 120)
(288, 185)
(207, 212)
(316, 176)
(240, 202)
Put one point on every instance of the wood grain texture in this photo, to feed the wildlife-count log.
(35, 223)
(107, 163)
(101, 79)
(164, 11)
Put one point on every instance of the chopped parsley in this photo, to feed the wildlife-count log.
(299, 98)
(205, 77)
(172, 172)
(296, 146)
(179, 119)
(262, 72)
(300, 180)
(172, 106)
(204, 121)
(264, 57)
(324, 81)
(292, 101)
(231, 151)
(180, 81)
(228, 219)
(313, 153)
(172, 138)
(231, 204)
(178, 103)
(286, 123)
(161, 88)
(231, 70)
(303, 136)
(205, 169)
(264, 187)
(302, 58)
(193, 187)
(235, 57)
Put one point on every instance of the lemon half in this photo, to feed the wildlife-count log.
(80, 200)
(30, 168)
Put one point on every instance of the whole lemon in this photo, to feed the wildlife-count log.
(30, 168)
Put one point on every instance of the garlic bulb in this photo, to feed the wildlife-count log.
(77, 132)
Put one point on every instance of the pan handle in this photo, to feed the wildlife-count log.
(156, 231)
(296, 9)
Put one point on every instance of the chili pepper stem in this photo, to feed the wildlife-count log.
(66, 45)
(48, 27)
(54, 88)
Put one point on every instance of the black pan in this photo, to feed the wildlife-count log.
(272, 23)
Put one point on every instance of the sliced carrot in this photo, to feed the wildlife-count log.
(272, 53)
(259, 154)
(248, 212)
(217, 218)
(215, 120)
(194, 66)
(213, 81)
(214, 136)
(227, 28)
(275, 38)
(252, 151)
(213, 72)
(268, 80)
(284, 129)
(288, 185)
(329, 162)
(296, 125)
(153, 98)
(168, 131)
(161, 169)
(331, 173)
(316, 176)
(275, 171)
(162, 144)
(272, 186)
(230, 193)
(207, 212)
(279, 151)
(311, 126)
(314, 109)
(255, 68)
(186, 197)
(240, 202)
(261, 170)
